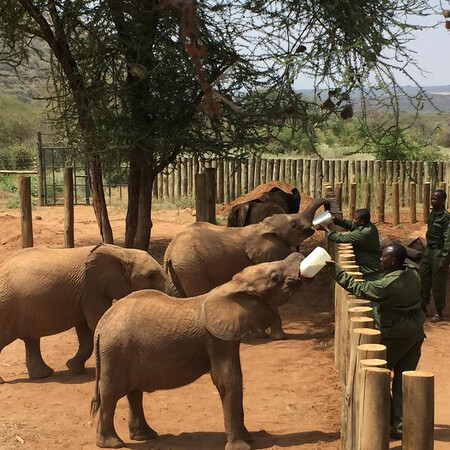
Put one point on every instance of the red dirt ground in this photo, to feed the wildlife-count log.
(291, 390)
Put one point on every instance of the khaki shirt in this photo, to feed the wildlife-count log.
(398, 295)
(438, 233)
(366, 244)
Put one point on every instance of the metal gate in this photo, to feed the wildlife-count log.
(54, 159)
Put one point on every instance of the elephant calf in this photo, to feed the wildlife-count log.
(151, 341)
(46, 291)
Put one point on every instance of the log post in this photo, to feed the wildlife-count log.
(300, 175)
(220, 181)
(412, 202)
(306, 175)
(210, 186)
(419, 180)
(367, 194)
(276, 169)
(40, 170)
(69, 241)
(313, 179)
(251, 174)
(374, 409)
(270, 164)
(426, 201)
(200, 198)
(381, 202)
(26, 221)
(395, 204)
(418, 410)
(338, 193)
(352, 201)
(244, 168)
(257, 178)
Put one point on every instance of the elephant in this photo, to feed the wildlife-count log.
(204, 256)
(150, 341)
(276, 201)
(47, 291)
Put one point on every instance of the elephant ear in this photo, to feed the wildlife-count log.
(231, 317)
(265, 246)
(106, 272)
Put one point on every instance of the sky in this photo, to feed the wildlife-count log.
(432, 50)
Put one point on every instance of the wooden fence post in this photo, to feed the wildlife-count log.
(352, 201)
(306, 175)
(381, 202)
(338, 193)
(313, 179)
(40, 170)
(419, 180)
(257, 177)
(210, 186)
(367, 194)
(200, 198)
(395, 205)
(426, 201)
(220, 178)
(251, 174)
(26, 220)
(418, 410)
(412, 202)
(69, 241)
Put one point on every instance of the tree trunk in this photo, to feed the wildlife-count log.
(98, 198)
(138, 222)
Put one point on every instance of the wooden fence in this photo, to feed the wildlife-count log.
(364, 183)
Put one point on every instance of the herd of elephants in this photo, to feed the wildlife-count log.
(173, 323)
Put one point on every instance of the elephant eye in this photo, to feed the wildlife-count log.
(275, 277)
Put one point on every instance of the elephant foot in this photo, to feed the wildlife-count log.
(237, 445)
(40, 372)
(109, 442)
(258, 334)
(278, 335)
(76, 367)
(143, 434)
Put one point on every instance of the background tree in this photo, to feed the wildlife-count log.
(143, 82)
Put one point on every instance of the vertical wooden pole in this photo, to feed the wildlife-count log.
(270, 164)
(420, 180)
(426, 201)
(257, 178)
(412, 202)
(338, 192)
(313, 179)
(210, 186)
(263, 171)
(245, 173)
(251, 174)
(395, 205)
(232, 183)
(306, 176)
(282, 169)
(220, 181)
(276, 169)
(352, 201)
(226, 181)
(367, 194)
(326, 171)
(238, 179)
(418, 410)
(40, 170)
(69, 241)
(332, 172)
(377, 174)
(402, 182)
(200, 197)
(370, 169)
(381, 202)
(374, 409)
(300, 175)
(345, 181)
(26, 220)
(294, 180)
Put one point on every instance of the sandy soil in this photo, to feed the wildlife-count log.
(291, 389)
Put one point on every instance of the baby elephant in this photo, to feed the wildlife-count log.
(46, 291)
(151, 341)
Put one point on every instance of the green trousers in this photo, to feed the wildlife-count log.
(402, 354)
(432, 278)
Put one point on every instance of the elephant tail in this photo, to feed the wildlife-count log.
(95, 402)
(173, 286)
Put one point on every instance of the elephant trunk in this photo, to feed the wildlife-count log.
(309, 212)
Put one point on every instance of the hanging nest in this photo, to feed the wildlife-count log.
(327, 104)
(347, 112)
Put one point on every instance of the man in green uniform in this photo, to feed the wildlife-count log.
(436, 256)
(401, 318)
(363, 234)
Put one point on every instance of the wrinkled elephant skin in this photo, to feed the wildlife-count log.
(180, 340)
(48, 291)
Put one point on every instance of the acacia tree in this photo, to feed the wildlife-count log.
(143, 82)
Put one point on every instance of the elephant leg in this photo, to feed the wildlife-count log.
(35, 364)
(276, 331)
(85, 348)
(227, 377)
(106, 436)
(138, 426)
